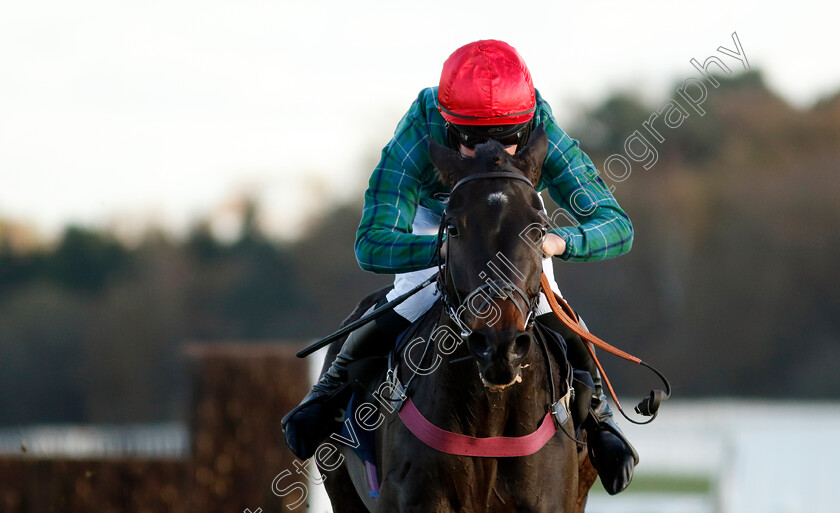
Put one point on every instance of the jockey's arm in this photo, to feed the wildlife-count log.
(593, 225)
(384, 241)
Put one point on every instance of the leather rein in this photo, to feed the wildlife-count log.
(460, 444)
(648, 407)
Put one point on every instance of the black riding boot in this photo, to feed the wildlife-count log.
(316, 416)
(611, 453)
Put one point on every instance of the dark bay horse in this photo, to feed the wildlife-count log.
(498, 377)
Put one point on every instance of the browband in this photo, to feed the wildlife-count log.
(493, 174)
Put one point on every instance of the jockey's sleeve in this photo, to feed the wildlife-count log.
(403, 179)
(591, 221)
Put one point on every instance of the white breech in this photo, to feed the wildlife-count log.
(427, 222)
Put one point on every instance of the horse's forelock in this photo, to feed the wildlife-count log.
(491, 156)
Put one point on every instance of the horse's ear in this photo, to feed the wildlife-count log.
(531, 157)
(448, 162)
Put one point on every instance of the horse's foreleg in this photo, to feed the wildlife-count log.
(406, 489)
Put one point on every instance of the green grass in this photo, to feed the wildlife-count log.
(661, 483)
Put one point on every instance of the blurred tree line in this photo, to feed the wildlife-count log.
(729, 288)
(93, 331)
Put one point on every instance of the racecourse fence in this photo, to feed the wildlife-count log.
(224, 461)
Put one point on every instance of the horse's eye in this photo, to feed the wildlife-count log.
(452, 230)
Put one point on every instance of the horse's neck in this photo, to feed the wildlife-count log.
(456, 398)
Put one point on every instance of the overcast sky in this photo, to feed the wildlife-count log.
(118, 113)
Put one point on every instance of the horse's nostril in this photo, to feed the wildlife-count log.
(480, 346)
(521, 345)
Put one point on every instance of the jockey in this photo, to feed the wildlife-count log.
(485, 92)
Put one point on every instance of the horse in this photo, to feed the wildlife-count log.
(497, 376)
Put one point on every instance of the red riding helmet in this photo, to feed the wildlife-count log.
(486, 92)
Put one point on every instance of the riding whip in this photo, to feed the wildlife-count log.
(390, 305)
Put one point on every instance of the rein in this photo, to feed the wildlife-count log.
(649, 406)
(501, 446)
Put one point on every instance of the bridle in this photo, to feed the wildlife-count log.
(500, 288)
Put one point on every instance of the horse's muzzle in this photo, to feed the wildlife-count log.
(500, 356)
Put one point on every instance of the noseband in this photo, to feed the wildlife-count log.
(500, 288)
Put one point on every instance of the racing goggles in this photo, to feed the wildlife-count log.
(473, 135)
